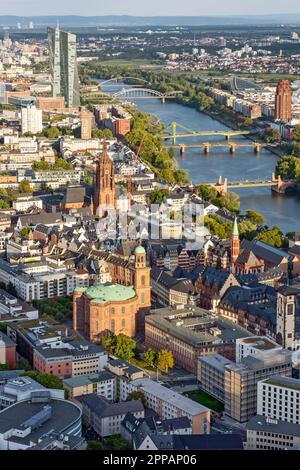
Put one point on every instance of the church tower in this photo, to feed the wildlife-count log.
(104, 195)
(235, 242)
(142, 285)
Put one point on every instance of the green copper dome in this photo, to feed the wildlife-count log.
(103, 293)
(140, 250)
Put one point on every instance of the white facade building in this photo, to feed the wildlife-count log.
(279, 398)
(32, 120)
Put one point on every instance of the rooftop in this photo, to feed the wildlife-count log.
(63, 414)
(195, 325)
(170, 396)
(216, 361)
(261, 423)
(284, 382)
(103, 293)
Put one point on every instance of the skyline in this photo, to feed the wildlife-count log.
(134, 8)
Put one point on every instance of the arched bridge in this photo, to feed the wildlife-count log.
(122, 79)
(144, 93)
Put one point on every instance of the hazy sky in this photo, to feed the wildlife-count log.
(147, 7)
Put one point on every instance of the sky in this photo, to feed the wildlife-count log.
(147, 7)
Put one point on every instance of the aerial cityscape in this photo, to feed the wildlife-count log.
(149, 229)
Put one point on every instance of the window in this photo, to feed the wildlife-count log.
(143, 280)
(124, 323)
(143, 298)
(123, 310)
(112, 311)
(112, 326)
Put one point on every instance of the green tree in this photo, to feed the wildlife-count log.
(150, 357)
(97, 134)
(94, 445)
(255, 217)
(109, 342)
(47, 380)
(137, 395)
(125, 347)
(273, 237)
(107, 133)
(24, 186)
(24, 364)
(25, 231)
(165, 360)
(117, 442)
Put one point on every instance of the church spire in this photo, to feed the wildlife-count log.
(235, 242)
(235, 231)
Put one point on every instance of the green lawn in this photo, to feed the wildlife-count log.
(204, 399)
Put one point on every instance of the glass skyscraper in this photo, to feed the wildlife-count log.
(63, 66)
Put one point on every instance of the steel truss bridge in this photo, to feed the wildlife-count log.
(145, 93)
(173, 134)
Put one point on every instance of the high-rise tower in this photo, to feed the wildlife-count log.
(104, 196)
(63, 66)
(283, 101)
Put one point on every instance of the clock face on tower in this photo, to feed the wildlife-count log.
(106, 172)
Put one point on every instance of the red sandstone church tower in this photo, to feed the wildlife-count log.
(283, 101)
(235, 243)
(104, 196)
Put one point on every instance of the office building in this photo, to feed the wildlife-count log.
(211, 373)
(253, 345)
(24, 388)
(278, 397)
(190, 332)
(106, 418)
(32, 120)
(270, 434)
(169, 404)
(103, 384)
(63, 66)
(241, 380)
(24, 423)
(283, 101)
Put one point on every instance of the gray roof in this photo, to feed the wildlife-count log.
(64, 413)
(87, 379)
(103, 408)
(216, 361)
(271, 255)
(261, 423)
(195, 325)
(208, 442)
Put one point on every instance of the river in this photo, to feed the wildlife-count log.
(283, 211)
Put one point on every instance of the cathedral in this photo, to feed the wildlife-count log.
(104, 194)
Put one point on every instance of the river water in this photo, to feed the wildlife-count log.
(283, 211)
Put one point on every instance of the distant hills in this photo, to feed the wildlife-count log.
(123, 20)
